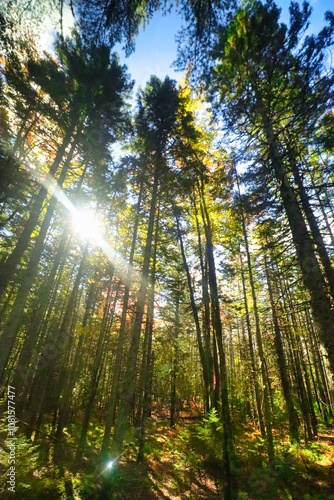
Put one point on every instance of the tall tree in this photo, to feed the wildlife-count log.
(157, 107)
(266, 80)
(89, 88)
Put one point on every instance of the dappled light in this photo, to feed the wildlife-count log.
(166, 251)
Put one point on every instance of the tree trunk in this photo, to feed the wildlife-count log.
(202, 351)
(96, 369)
(175, 364)
(254, 367)
(313, 224)
(287, 392)
(25, 364)
(229, 485)
(111, 405)
(130, 374)
(312, 276)
(8, 269)
(13, 322)
(147, 365)
(263, 363)
(45, 383)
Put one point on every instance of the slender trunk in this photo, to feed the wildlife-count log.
(291, 335)
(247, 387)
(8, 269)
(130, 374)
(312, 276)
(318, 192)
(96, 370)
(175, 364)
(209, 389)
(54, 351)
(147, 365)
(321, 373)
(68, 379)
(313, 224)
(263, 363)
(287, 392)
(13, 323)
(254, 367)
(111, 405)
(69, 382)
(22, 135)
(229, 486)
(202, 351)
(25, 364)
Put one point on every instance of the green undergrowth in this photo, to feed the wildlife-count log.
(181, 463)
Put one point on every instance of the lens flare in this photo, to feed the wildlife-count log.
(90, 228)
(86, 224)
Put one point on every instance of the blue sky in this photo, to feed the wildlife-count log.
(156, 46)
(155, 49)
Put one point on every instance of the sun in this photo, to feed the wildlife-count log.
(86, 225)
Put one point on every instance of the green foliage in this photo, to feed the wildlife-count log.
(48, 470)
(199, 448)
(289, 475)
(31, 475)
(82, 88)
(85, 84)
(127, 481)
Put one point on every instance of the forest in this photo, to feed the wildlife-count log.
(167, 255)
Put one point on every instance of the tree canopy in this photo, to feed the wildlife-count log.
(166, 259)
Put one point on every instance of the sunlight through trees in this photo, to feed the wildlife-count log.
(166, 266)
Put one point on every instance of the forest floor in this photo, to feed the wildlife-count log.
(300, 472)
(180, 463)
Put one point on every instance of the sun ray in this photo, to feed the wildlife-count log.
(89, 228)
